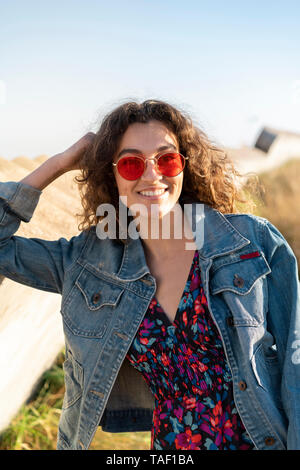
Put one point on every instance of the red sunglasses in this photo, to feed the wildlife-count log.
(131, 167)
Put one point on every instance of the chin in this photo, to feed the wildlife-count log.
(160, 211)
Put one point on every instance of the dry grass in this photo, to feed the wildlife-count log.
(35, 426)
(279, 201)
(121, 441)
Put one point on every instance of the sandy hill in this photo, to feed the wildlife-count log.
(59, 202)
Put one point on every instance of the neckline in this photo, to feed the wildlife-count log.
(177, 314)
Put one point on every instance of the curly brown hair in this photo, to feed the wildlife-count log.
(210, 176)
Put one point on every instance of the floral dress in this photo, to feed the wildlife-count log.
(184, 365)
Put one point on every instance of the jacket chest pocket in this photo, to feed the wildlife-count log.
(241, 283)
(90, 305)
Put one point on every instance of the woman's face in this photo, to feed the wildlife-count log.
(149, 139)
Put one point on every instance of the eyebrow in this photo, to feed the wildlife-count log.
(138, 152)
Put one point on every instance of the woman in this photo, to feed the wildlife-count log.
(192, 336)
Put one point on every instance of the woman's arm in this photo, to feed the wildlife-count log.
(59, 164)
(284, 324)
(35, 262)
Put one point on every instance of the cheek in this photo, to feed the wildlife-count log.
(124, 187)
(177, 186)
(119, 183)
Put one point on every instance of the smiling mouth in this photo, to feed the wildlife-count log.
(154, 194)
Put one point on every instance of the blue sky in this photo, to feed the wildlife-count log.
(234, 66)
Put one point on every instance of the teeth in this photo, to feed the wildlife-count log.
(152, 193)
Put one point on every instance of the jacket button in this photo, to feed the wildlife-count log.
(269, 441)
(238, 281)
(96, 297)
(230, 321)
(242, 385)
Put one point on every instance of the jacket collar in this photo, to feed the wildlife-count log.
(214, 236)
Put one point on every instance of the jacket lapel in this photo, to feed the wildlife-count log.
(213, 234)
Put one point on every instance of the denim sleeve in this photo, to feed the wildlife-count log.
(34, 262)
(284, 324)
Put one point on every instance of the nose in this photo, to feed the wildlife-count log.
(151, 172)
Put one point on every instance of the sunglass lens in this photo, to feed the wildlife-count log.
(171, 164)
(131, 168)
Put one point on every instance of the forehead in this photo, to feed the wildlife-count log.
(147, 137)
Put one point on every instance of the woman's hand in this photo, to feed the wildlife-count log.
(70, 158)
(59, 164)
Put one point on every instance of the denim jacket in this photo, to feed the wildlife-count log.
(250, 279)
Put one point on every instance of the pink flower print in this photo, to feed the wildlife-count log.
(194, 283)
(218, 369)
(186, 440)
(196, 440)
(198, 307)
(202, 367)
(205, 427)
(218, 409)
(228, 428)
(144, 341)
(200, 407)
(203, 385)
(147, 325)
(164, 359)
(169, 404)
(219, 439)
(182, 440)
(189, 402)
(183, 348)
(203, 299)
(178, 412)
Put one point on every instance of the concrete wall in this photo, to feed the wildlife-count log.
(30, 339)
